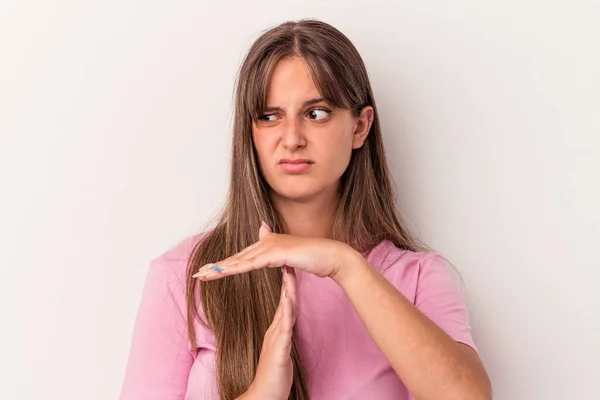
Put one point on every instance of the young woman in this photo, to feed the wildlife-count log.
(309, 285)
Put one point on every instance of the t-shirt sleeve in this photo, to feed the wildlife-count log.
(159, 360)
(439, 298)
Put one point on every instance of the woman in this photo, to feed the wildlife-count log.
(309, 286)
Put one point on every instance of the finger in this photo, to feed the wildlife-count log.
(234, 258)
(265, 259)
(289, 295)
(291, 281)
(208, 270)
(283, 341)
(274, 327)
(278, 311)
(264, 230)
(292, 288)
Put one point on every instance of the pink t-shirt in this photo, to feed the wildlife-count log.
(340, 358)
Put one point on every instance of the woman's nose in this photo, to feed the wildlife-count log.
(292, 136)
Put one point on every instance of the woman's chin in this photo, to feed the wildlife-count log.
(297, 194)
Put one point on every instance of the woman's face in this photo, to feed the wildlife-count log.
(303, 144)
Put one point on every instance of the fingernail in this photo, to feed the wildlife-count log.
(205, 270)
(219, 268)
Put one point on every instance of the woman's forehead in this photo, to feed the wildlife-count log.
(291, 82)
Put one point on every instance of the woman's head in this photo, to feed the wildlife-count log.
(304, 144)
(278, 117)
(302, 93)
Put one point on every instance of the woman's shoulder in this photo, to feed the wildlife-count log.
(387, 255)
(166, 284)
(172, 263)
(407, 270)
(182, 249)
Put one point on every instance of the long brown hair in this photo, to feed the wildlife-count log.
(239, 309)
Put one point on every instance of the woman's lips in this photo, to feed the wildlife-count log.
(295, 166)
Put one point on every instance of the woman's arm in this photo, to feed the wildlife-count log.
(159, 359)
(432, 365)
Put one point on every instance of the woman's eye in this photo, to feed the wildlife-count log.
(267, 117)
(318, 114)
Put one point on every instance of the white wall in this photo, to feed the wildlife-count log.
(114, 122)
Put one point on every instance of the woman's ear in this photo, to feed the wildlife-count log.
(363, 126)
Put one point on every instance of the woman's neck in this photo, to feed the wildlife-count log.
(310, 218)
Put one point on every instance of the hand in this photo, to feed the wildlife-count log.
(319, 256)
(274, 373)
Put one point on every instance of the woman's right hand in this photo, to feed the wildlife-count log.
(274, 373)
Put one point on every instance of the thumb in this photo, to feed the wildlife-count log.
(264, 229)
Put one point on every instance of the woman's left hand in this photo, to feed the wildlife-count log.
(319, 256)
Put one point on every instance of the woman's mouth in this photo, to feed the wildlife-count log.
(296, 165)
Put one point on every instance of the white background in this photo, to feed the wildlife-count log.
(115, 123)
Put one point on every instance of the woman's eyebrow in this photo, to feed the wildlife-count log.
(306, 103)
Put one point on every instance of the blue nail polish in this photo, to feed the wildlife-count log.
(218, 269)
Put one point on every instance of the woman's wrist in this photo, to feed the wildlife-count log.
(351, 264)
